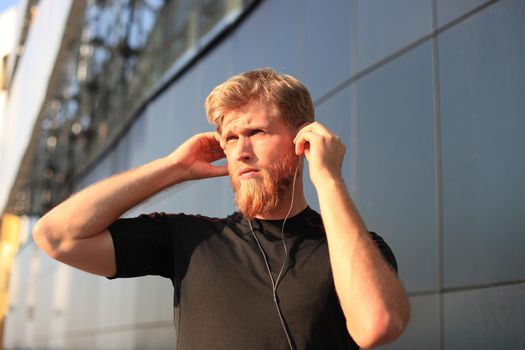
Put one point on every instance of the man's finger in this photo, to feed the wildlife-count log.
(315, 128)
(219, 170)
(304, 138)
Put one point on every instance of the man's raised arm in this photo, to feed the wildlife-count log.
(373, 300)
(75, 232)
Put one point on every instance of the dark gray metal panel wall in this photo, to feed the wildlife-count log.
(483, 146)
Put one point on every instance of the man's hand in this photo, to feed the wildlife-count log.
(195, 157)
(323, 150)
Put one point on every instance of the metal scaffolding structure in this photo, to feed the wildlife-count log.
(112, 57)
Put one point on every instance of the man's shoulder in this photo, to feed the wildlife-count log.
(313, 219)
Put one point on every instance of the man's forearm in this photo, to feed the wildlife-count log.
(93, 209)
(371, 296)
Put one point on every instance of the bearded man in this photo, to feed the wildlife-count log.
(276, 274)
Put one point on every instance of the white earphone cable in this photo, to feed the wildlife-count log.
(275, 283)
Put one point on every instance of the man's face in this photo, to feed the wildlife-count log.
(261, 157)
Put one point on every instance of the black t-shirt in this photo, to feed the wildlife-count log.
(222, 290)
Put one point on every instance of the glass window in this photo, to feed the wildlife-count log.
(117, 55)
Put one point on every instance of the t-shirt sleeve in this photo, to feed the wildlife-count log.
(143, 246)
(385, 250)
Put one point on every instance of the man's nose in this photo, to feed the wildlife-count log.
(243, 149)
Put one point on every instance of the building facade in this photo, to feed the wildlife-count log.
(425, 94)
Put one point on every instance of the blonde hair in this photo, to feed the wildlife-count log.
(286, 97)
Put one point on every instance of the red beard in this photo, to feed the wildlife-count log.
(261, 194)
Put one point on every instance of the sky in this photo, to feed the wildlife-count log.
(4, 4)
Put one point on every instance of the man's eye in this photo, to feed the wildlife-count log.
(231, 138)
(258, 132)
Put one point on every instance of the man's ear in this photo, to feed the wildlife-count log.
(300, 127)
(219, 140)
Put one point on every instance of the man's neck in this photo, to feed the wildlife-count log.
(282, 209)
